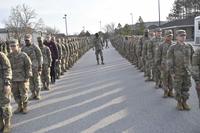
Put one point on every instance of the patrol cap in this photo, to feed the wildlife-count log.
(13, 42)
(146, 30)
(158, 30)
(181, 33)
(168, 33)
(28, 37)
(39, 38)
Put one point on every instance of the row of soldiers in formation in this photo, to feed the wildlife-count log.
(33, 66)
(170, 64)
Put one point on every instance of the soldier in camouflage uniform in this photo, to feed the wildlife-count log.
(5, 94)
(179, 62)
(64, 56)
(47, 59)
(58, 62)
(142, 42)
(161, 62)
(3, 47)
(98, 45)
(22, 71)
(152, 49)
(35, 55)
(144, 53)
(66, 43)
(196, 71)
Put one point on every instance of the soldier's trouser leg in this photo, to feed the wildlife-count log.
(66, 63)
(63, 66)
(35, 83)
(1, 123)
(58, 70)
(181, 84)
(45, 77)
(186, 86)
(53, 72)
(157, 75)
(97, 56)
(5, 110)
(20, 93)
(101, 55)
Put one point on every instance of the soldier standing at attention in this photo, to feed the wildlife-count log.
(196, 71)
(155, 44)
(22, 71)
(35, 55)
(179, 63)
(161, 62)
(5, 94)
(45, 76)
(98, 45)
(54, 54)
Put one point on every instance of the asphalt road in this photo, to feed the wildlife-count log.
(110, 98)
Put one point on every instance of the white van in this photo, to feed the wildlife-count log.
(197, 30)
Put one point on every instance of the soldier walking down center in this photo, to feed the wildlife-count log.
(98, 45)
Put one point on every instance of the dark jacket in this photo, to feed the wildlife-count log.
(53, 49)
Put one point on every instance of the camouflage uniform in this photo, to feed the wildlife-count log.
(66, 43)
(35, 55)
(3, 47)
(161, 62)
(47, 59)
(179, 62)
(58, 63)
(196, 71)
(5, 95)
(152, 49)
(63, 61)
(22, 71)
(98, 48)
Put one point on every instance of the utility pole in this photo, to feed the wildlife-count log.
(159, 12)
(100, 25)
(132, 21)
(65, 17)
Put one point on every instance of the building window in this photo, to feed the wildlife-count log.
(198, 25)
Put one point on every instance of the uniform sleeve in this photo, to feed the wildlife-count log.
(170, 60)
(144, 51)
(27, 66)
(159, 55)
(196, 66)
(39, 57)
(6, 68)
(49, 56)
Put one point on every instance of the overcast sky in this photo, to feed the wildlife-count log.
(89, 13)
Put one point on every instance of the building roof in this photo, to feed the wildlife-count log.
(188, 22)
(3, 30)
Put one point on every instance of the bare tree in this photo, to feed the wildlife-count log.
(21, 20)
(51, 31)
(110, 28)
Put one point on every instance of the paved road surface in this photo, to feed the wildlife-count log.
(110, 98)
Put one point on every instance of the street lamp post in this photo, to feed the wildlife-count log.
(100, 25)
(132, 21)
(159, 13)
(65, 17)
(84, 28)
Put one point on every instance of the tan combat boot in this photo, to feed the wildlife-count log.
(1, 124)
(179, 106)
(7, 126)
(165, 94)
(37, 97)
(19, 109)
(32, 96)
(171, 94)
(185, 105)
(24, 109)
